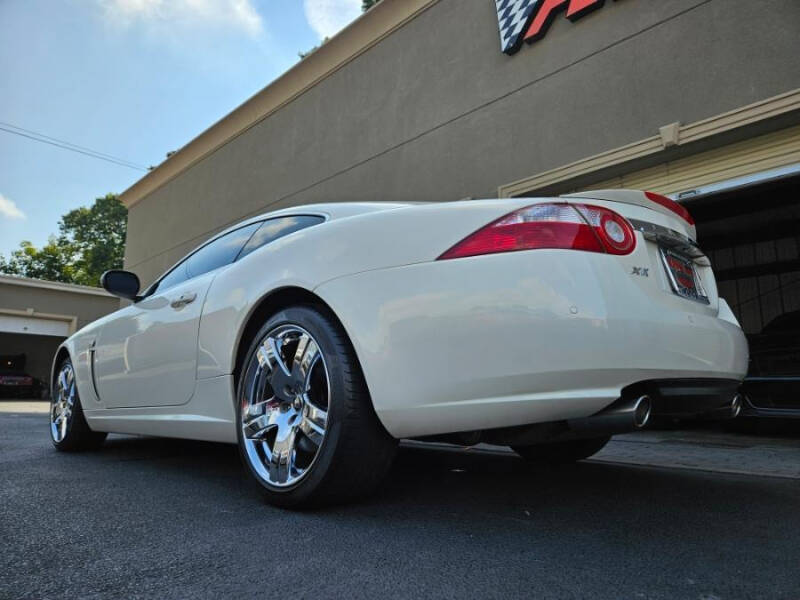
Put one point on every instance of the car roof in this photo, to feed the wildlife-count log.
(330, 210)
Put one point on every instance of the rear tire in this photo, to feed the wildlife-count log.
(306, 426)
(69, 430)
(560, 453)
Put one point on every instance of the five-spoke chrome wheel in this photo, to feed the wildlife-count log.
(62, 404)
(284, 405)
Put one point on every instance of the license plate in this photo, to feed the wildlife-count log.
(682, 275)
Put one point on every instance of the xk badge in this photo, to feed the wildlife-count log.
(641, 271)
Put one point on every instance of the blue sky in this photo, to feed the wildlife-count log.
(130, 78)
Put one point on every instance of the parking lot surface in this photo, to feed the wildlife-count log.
(156, 518)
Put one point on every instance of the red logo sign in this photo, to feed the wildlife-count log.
(528, 20)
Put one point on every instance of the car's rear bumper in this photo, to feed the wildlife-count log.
(775, 397)
(526, 337)
(770, 413)
(686, 398)
(636, 408)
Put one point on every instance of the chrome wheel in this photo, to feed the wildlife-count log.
(63, 403)
(284, 405)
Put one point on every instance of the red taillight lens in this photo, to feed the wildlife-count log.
(614, 231)
(670, 204)
(555, 226)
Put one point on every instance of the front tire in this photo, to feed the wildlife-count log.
(560, 453)
(306, 427)
(69, 430)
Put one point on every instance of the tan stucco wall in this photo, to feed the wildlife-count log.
(86, 307)
(435, 111)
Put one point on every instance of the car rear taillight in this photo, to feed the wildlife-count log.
(670, 204)
(614, 232)
(554, 226)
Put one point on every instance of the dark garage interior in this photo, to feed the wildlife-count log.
(37, 352)
(752, 236)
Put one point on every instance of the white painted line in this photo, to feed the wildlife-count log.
(23, 407)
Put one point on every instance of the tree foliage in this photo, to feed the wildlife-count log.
(314, 49)
(91, 240)
(365, 6)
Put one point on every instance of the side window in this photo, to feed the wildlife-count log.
(174, 277)
(277, 228)
(220, 252)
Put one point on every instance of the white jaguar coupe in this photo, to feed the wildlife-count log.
(317, 336)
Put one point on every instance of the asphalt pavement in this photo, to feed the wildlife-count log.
(153, 518)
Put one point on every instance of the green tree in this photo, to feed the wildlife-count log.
(90, 240)
(302, 55)
(28, 261)
(365, 6)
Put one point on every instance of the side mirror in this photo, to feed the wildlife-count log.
(121, 283)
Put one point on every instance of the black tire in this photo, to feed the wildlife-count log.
(560, 453)
(356, 451)
(78, 435)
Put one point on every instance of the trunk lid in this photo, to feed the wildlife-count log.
(667, 263)
(636, 198)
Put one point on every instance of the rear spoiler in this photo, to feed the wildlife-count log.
(656, 202)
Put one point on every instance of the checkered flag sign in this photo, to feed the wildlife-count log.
(513, 17)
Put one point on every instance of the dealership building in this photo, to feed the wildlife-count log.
(441, 100)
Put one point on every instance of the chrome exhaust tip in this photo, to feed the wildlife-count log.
(642, 409)
(736, 406)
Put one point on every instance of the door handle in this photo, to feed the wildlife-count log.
(183, 300)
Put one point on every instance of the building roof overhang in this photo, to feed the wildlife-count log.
(363, 33)
(53, 285)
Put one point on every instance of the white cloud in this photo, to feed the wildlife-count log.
(9, 209)
(327, 17)
(238, 14)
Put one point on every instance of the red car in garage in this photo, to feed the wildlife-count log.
(14, 381)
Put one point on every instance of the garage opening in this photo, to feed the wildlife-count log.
(27, 347)
(751, 233)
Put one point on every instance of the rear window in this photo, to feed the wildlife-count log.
(277, 228)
